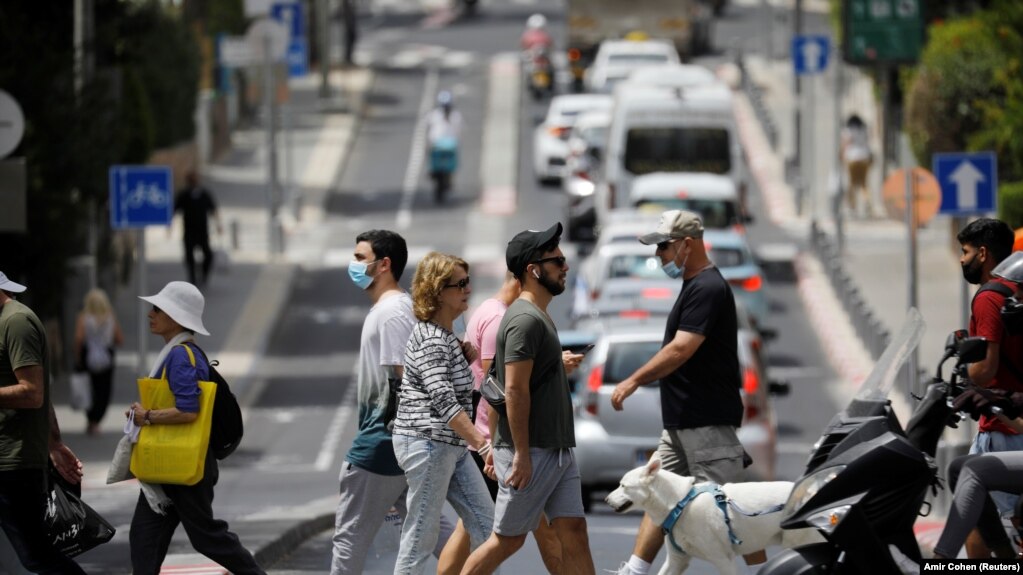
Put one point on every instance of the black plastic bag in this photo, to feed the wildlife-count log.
(74, 527)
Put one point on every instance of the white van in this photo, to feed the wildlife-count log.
(656, 129)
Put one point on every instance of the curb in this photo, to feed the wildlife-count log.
(278, 548)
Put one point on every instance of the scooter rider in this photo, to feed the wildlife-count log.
(444, 121)
(535, 35)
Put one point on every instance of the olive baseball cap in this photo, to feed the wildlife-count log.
(675, 224)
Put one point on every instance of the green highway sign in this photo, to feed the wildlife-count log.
(882, 31)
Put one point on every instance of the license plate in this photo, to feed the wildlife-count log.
(643, 456)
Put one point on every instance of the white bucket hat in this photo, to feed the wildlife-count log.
(8, 285)
(183, 303)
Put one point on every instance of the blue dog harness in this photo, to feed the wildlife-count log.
(723, 503)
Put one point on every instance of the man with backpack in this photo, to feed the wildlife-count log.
(985, 243)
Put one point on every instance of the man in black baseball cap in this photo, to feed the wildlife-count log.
(533, 445)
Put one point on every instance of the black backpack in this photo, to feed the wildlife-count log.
(227, 428)
(1009, 319)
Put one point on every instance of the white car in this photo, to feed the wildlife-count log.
(672, 76)
(712, 196)
(550, 140)
(616, 59)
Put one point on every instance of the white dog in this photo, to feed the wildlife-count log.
(701, 530)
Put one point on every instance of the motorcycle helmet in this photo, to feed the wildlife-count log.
(536, 22)
(1011, 268)
(444, 98)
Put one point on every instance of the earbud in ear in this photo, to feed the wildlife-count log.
(536, 275)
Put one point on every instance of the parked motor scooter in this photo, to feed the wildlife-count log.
(866, 478)
(443, 163)
(540, 71)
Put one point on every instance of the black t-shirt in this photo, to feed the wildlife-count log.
(705, 390)
(196, 206)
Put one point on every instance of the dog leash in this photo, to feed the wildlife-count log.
(721, 500)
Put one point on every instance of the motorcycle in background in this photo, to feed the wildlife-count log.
(443, 163)
(540, 72)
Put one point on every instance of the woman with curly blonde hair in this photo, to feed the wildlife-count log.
(433, 424)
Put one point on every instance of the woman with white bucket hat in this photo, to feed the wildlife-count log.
(176, 316)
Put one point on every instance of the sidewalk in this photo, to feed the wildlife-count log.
(876, 248)
(243, 297)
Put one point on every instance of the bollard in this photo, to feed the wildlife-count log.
(233, 226)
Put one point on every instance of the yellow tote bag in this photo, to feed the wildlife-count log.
(173, 453)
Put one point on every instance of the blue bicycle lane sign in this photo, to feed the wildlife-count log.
(141, 196)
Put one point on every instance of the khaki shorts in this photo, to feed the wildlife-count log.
(710, 453)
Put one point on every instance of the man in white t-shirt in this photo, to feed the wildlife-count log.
(371, 480)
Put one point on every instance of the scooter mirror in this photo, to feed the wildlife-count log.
(972, 350)
(952, 342)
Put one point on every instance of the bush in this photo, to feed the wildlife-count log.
(1010, 204)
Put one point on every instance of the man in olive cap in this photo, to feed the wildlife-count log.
(698, 367)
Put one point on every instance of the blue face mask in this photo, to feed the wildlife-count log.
(674, 271)
(357, 271)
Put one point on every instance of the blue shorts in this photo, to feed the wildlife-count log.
(554, 489)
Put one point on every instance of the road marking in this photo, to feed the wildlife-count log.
(499, 163)
(415, 160)
(344, 412)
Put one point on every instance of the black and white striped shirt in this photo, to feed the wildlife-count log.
(437, 385)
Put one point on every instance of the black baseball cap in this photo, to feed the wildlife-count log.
(522, 248)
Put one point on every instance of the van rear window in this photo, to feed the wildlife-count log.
(649, 150)
(716, 214)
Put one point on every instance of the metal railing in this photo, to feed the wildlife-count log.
(756, 99)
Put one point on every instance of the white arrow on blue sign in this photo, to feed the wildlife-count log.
(140, 196)
(969, 182)
(810, 54)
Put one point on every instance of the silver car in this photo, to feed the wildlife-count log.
(609, 443)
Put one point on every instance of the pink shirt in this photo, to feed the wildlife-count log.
(482, 332)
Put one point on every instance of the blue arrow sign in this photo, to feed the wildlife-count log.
(140, 196)
(810, 54)
(291, 16)
(969, 182)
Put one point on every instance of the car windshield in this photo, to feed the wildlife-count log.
(882, 378)
(624, 358)
(622, 59)
(678, 149)
(715, 213)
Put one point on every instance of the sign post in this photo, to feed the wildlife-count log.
(141, 196)
(810, 58)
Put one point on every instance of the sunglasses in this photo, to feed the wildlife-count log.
(157, 310)
(461, 284)
(558, 260)
(661, 246)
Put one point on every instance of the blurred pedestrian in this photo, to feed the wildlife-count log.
(176, 316)
(29, 436)
(985, 243)
(433, 424)
(371, 481)
(698, 367)
(481, 334)
(97, 333)
(857, 157)
(197, 206)
(533, 457)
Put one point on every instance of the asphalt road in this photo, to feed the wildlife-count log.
(324, 314)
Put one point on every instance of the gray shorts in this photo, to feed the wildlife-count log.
(554, 489)
(711, 453)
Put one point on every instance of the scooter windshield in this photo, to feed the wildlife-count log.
(882, 378)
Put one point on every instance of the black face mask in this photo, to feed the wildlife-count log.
(972, 271)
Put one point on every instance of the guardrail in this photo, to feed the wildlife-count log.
(756, 99)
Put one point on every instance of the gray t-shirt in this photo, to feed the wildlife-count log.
(527, 333)
(384, 335)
